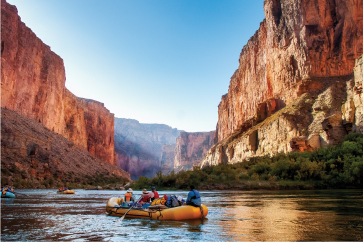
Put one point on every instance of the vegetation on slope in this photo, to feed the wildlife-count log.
(332, 167)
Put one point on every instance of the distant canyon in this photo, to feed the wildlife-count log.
(145, 149)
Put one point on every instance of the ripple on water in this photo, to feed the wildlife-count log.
(268, 215)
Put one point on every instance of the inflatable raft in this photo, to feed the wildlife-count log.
(8, 195)
(156, 213)
(66, 192)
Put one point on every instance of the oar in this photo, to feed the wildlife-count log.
(122, 218)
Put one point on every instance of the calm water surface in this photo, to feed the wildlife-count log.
(253, 215)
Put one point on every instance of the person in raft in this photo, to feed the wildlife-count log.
(145, 196)
(129, 197)
(156, 194)
(193, 197)
(6, 189)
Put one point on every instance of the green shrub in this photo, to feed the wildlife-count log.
(332, 167)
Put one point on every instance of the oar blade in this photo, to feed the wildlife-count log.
(122, 218)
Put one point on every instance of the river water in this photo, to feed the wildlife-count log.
(252, 215)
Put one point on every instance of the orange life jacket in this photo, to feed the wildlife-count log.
(128, 196)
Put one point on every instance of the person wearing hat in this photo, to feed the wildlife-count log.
(129, 197)
(156, 194)
(145, 196)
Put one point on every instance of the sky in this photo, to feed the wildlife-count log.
(156, 61)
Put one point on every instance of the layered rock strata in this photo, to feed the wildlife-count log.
(190, 149)
(139, 147)
(33, 84)
(294, 89)
(31, 153)
(326, 109)
(298, 40)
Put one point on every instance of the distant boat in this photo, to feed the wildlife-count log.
(66, 192)
(8, 195)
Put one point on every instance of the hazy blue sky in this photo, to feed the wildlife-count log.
(157, 61)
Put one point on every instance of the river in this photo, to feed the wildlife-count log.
(233, 215)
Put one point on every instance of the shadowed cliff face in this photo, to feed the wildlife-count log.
(297, 40)
(190, 149)
(33, 85)
(167, 158)
(32, 153)
(139, 146)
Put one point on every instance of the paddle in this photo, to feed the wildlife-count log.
(122, 218)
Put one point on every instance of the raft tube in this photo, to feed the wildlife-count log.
(177, 213)
(66, 192)
(8, 195)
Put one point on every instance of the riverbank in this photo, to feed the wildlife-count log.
(326, 168)
(98, 182)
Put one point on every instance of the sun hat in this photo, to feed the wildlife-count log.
(153, 187)
(144, 191)
(130, 190)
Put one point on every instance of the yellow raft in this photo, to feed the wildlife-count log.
(66, 192)
(177, 213)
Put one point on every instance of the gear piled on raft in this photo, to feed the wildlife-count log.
(115, 207)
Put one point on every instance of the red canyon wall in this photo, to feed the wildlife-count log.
(32, 156)
(299, 82)
(299, 39)
(33, 85)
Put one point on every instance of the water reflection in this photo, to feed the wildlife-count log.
(271, 215)
(7, 200)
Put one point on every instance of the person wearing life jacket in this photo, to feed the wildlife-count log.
(145, 196)
(129, 197)
(156, 194)
(8, 189)
(3, 190)
(193, 197)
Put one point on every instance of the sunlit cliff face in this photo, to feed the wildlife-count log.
(33, 85)
(298, 85)
(297, 40)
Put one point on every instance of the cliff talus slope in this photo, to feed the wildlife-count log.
(31, 153)
(33, 85)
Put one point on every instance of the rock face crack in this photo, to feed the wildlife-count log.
(2, 46)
